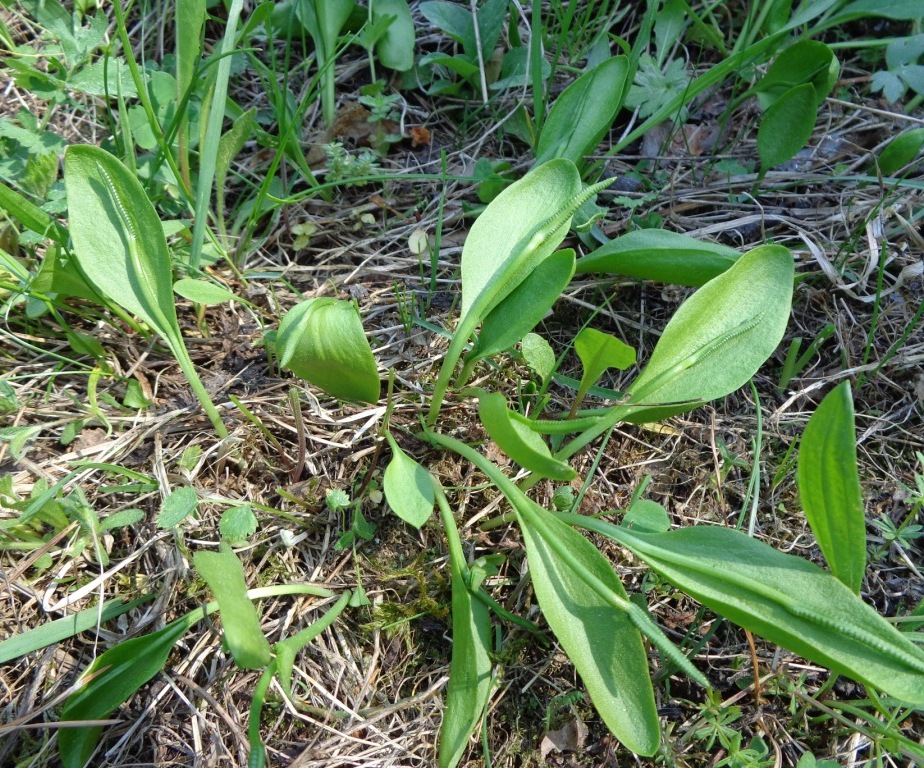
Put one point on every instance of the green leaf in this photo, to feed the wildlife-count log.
(395, 49)
(902, 150)
(60, 276)
(230, 144)
(829, 486)
(719, 337)
(805, 61)
(224, 574)
(178, 505)
(600, 640)
(538, 354)
(121, 519)
(237, 524)
(30, 215)
(584, 112)
(322, 341)
(470, 669)
(190, 16)
(203, 291)
(118, 238)
(111, 679)
(646, 516)
(599, 352)
(60, 629)
(656, 254)
(408, 487)
(786, 126)
(525, 306)
(899, 10)
(783, 598)
(513, 436)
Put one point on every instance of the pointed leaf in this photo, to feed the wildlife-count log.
(408, 487)
(224, 574)
(604, 646)
(513, 436)
(322, 341)
(829, 486)
(584, 112)
(525, 306)
(599, 352)
(112, 678)
(470, 670)
(656, 254)
(719, 337)
(518, 230)
(805, 61)
(783, 598)
(786, 126)
(118, 238)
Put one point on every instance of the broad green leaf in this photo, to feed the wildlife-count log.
(453, 19)
(224, 574)
(900, 10)
(324, 19)
(203, 291)
(788, 600)
(900, 151)
(60, 276)
(584, 112)
(237, 524)
(719, 337)
(805, 61)
(656, 254)
(111, 679)
(118, 238)
(30, 215)
(322, 341)
(513, 436)
(525, 306)
(395, 49)
(646, 516)
(786, 126)
(600, 640)
(178, 505)
(599, 352)
(408, 487)
(829, 486)
(60, 629)
(538, 354)
(517, 231)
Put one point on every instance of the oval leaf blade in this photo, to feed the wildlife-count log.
(203, 291)
(604, 646)
(514, 437)
(829, 486)
(322, 341)
(786, 126)
(408, 487)
(788, 600)
(719, 337)
(656, 254)
(584, 112)
(118, 238)
(599, 352)
(224, 574)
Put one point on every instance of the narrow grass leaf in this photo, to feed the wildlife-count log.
(513, 436)
(600, 640)
(408, 487)
(656, 254)
(525, 306)
(829, 486)
(60, 629)
(224, 574)
(786, 126)
(30, 215)
(584, 112)
(788, 600)
(719, 337)
(112, 678)
(322, 341)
